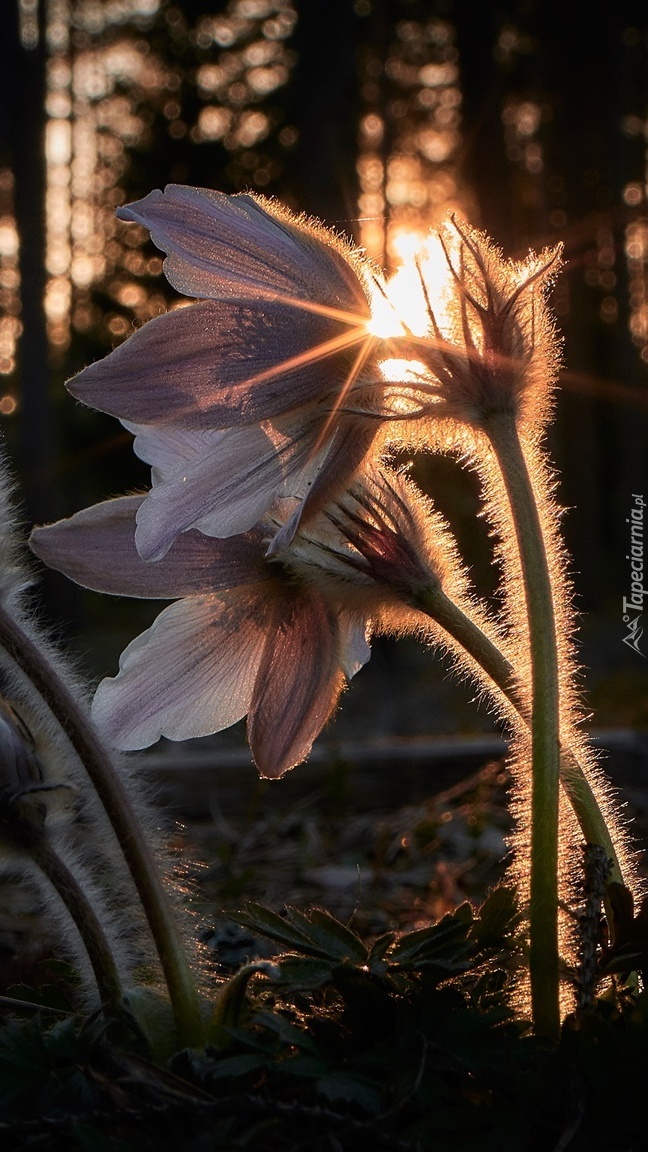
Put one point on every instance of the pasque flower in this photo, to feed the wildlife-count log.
(243, 637)
(232, 398)
(269, 385)
(268, 404)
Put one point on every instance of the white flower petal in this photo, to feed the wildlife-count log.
(169, 449)
(355, 633)
(223, 492)
(191, 674)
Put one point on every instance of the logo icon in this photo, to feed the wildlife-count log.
(635, 632)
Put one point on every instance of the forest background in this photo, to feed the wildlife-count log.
(378, 116)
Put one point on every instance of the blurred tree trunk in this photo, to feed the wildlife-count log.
(324, 105)
(23, 72)
(22, 122)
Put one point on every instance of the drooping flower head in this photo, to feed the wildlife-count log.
(380, 541)
(271, 637)
(383, 548)
(242, 638)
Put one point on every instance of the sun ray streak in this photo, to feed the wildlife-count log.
(426, 296)
(358, 365)
(326, 310)
(310, 356)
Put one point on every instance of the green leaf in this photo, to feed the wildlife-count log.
(41, 1070)
(289, 1033)
(316, 934)
(498, 917)
(268, 923)
(342, 1086)
(153, 1018)
(304, 972)
(305, 1066)
(332, 938)
(378, 958)
(45, 996)
(444, 943)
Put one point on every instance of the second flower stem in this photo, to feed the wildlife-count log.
(503, 434)
(445, 612)
(88, 923)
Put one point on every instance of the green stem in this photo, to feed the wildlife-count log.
(545, 724)
(484, 652)
(115, 799)
(84, 916)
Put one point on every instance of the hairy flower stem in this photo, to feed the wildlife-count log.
(440, 608)
(502, 432)
(84, 916)
(121, 814)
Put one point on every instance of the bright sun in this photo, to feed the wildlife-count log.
(403, 307)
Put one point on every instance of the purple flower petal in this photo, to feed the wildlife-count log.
(230, 247)
(192, 673)
(224, 491)
(217, 364)
(96, 548)
(298, 684)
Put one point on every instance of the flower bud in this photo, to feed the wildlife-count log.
(22, 810)
(381, 540)
(495, 347)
